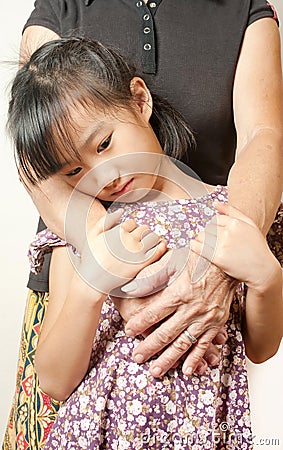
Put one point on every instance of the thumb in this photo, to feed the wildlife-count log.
(151, 279)
(108, 221)
(158, 275)
(231, 211)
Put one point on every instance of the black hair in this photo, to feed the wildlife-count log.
(76, 72)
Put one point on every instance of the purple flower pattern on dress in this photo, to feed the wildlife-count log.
(119, 405)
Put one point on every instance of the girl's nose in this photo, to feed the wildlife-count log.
(113, 184)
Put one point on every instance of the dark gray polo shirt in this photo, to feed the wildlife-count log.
(187, 52)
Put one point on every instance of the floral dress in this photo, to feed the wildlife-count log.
(119, 405)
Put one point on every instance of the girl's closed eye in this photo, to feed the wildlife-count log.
(74, 172)
(104, 144)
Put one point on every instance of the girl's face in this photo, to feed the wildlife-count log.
(119, 152)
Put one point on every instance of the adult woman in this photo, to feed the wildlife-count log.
(212, 40)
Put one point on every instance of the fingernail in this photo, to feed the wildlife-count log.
(212, 359)
(222, 338)
(156, 371)
(129, 332)
(138, 358)
(118, 211)
(188, 371)
(199, 367)
(132, 286)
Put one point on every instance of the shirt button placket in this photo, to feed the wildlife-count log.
(148, 44)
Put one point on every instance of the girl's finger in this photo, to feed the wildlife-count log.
(155, 253)
(110, 220)
(207, 238)
(129, 225)
(140, 231)
(206, 251)
(222, 208)
(150, 240)
(232, 212)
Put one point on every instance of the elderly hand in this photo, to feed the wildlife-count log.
(202, 306)
(130, 307)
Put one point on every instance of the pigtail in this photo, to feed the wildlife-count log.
(173, 133)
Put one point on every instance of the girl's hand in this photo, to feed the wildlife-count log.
(236, 246)
(114, 254)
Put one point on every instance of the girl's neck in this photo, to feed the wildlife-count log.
(174, 183)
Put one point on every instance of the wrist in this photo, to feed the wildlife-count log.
(269, 279)
(86, 292)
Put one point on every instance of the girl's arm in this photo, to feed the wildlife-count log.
(263, 320)
(238, 247)
(65, 343)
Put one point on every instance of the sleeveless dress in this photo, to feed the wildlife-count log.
(119, 405)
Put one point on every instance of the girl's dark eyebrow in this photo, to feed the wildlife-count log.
(88, 138)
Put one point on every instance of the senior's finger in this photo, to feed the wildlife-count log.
(212, 355)
(161, 337)
(156, 276)
(177, 349)
(199, 351)
(221, 337)
(154, 313)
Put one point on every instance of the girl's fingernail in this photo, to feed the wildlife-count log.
(130, 287)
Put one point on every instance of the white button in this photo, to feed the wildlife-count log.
(139, 4)
(152, 4)
(146, 17)
(147, 46)
(146, 30)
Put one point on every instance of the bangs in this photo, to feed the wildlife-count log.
(63, 77)
(46, 133)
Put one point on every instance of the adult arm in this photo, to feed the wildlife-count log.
(242, 252)
(255, 180)
(33, 37)
(255, 187)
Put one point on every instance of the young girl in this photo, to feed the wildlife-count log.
(80, 112)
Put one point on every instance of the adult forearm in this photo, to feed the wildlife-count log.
(65, 211)
(256, 178)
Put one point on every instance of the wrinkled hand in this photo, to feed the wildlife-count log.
(130, 307)
(203, 306)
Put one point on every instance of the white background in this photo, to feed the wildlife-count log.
(18, 223)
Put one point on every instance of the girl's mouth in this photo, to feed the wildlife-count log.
(125, 188)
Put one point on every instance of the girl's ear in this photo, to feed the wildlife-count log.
(142, 97)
